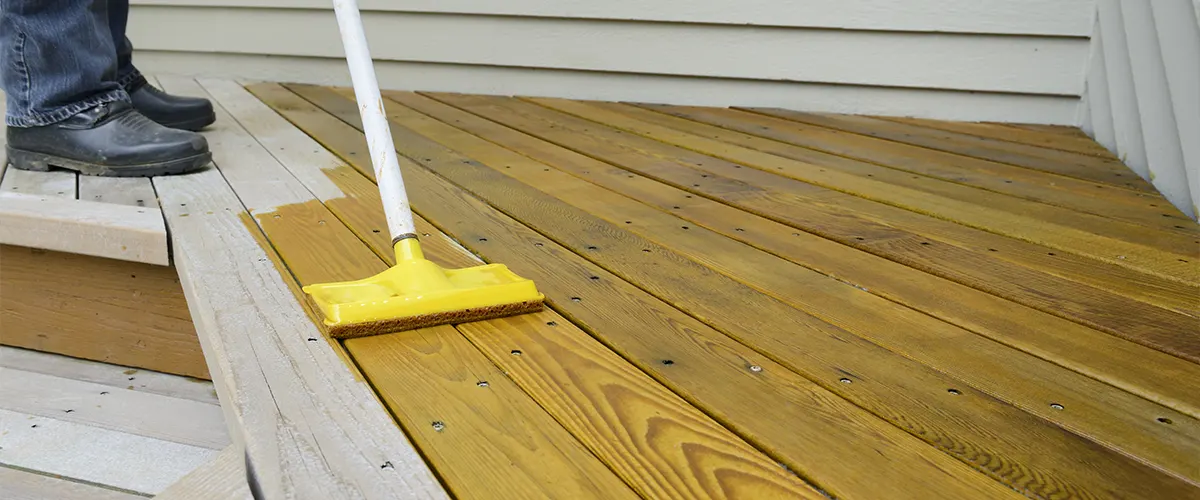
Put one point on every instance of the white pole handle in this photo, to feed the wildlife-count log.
(375, 123)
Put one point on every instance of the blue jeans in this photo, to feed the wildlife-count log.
(61, 57)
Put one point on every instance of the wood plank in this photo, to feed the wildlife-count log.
(1099, 355)
(222, 478)
(91, 454)
(1105, 171)
(22, 485)
(832, 350)
(131, 191)
(1018, 181)
(55, 183)
(893, 233)
(545, 458)
(306, 234)
(1051, 140)
(1088, 271)
(688, 356)
(1138, 226)
(617, 430)
(150, 415)
(1161, 254)
(310, 427)
(147, 381)
(993, 368)
(84, 227)
(114, 311)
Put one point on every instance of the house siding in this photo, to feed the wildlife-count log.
(1007, 60)
(1141, 99)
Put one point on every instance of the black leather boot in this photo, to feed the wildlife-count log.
(187, 113)
(112, 140)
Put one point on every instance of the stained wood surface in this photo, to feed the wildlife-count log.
(114, 311)
(514, 442)
(612, 428)
(956, 252)
(707, 275)
(1146, 251)
(309, 425)
(691, 358)
(1113, 360)
(1104, 170)
(760, 314)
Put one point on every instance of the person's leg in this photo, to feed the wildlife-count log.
(65, 106)
(57, 60)
(188, 113)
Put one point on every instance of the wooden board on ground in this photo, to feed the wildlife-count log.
(222, 478)
(119, 312)
(92, 454)
(931, 245)
(607, 247)
(131, 191)
(717, 374)
(83, 227)
(23, 485)
(111, 375)
(1083, 349)
(115, 408)
(645, 471)
(309, 426)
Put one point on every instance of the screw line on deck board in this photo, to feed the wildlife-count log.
(349, 121)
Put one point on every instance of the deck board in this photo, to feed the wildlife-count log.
(706, 285)
(1111, 359)
(508, 412)
(707, 367)
(968, 256)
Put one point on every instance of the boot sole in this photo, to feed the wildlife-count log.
(42, 162)
(193, 125)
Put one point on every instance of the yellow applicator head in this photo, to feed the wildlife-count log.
(416, 293)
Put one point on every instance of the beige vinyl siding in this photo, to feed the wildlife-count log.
(1011, 60)
(1142, 97)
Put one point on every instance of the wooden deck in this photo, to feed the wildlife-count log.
(752, 303)
(764, 303)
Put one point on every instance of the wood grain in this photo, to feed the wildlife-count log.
(160, 417)
(1135, 368)
(1107, 171)
(84, 227)
(998, 370)
(948, 250)
(131, 191)
(1110, 276)
(637, 438)
(1160, 253)
(1071, 141)
(309, 426)
(686, 355)
(21, 485)
(508, 434)
(222, 478)
(1111, 211)
(146, 381)
(114, 311)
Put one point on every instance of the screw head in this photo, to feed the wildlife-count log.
(755, 368)
(438, 425)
